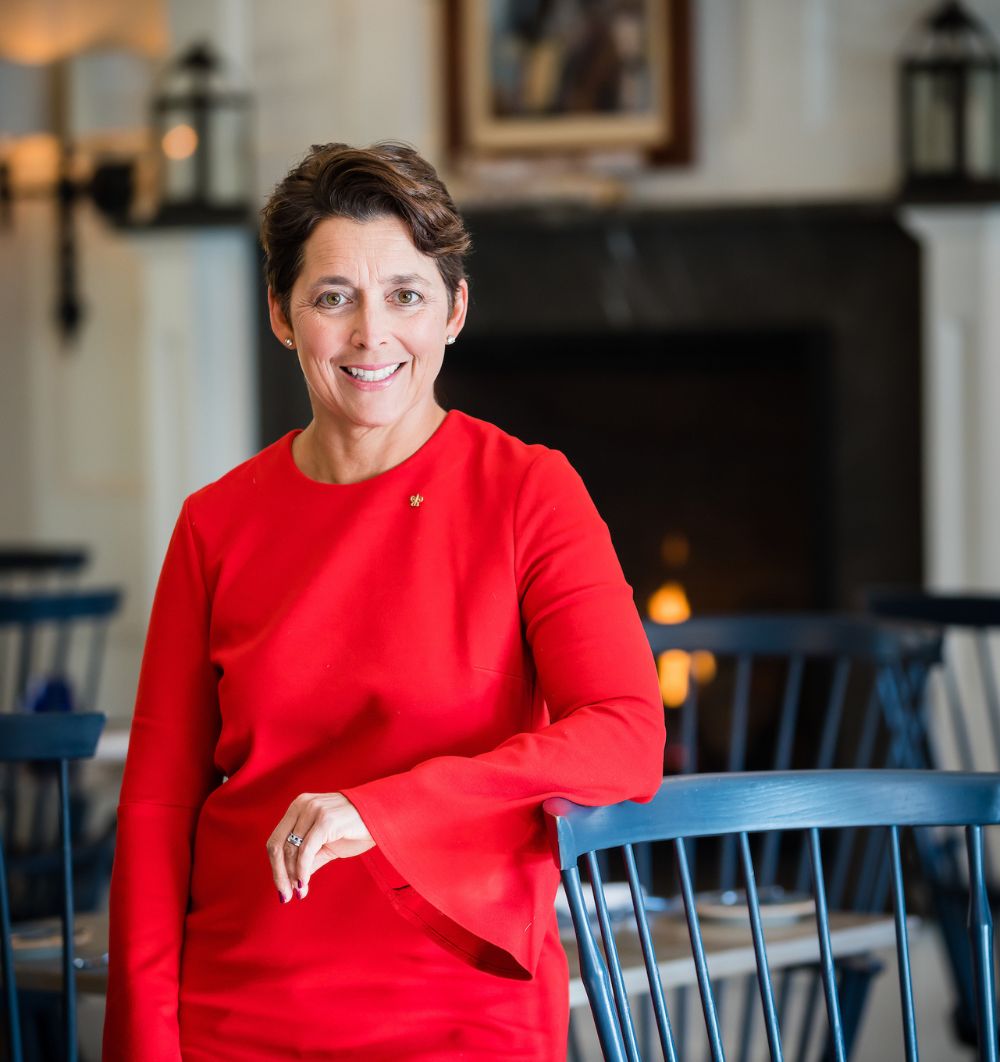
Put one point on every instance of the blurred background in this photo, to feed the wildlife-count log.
(739, 259)
(764, 342)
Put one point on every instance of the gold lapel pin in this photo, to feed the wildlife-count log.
(415, 500)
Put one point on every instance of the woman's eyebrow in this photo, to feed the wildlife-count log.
(333, 281)
(406, 278)
(396, 279)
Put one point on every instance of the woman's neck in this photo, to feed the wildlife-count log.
(331, 451)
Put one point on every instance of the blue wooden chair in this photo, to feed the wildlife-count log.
(814, 691)
(967, 622)
(46, 635)
(55, 739)
(743, 806)
(798, 690)
(51, 652)
(959, 723)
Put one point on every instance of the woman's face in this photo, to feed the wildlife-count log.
(369, 317)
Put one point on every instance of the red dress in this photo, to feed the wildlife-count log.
(311, 637)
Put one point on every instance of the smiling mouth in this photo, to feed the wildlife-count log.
(372, 375)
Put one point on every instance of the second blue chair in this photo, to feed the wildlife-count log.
(742, 806)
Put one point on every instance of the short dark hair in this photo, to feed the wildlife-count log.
(337, 180)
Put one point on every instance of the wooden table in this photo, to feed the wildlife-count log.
(46, 974)
(112, 744)
(729, 949)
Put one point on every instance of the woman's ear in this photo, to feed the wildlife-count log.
(460, 305)
(279, 322)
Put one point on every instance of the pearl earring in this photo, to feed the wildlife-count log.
(450, 340)
(289, 343)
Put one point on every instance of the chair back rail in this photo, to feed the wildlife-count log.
(56, 739)
(743, 805)
(31, 567)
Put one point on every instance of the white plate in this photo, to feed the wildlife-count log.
(777, 907)
(618, 897)
(43, 940)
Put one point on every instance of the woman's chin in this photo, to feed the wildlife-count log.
(371, 410)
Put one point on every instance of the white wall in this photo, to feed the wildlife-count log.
(795, 101)
(353, 71)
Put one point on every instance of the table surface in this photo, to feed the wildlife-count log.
(729, 949)
(112, 744)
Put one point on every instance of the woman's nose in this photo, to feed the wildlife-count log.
(371, 326)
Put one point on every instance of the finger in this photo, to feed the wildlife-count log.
(304, 827)
(322, 834)
(276, 855)
(277, 850)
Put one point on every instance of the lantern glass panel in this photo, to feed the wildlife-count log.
(934, 98)
(228, 166)
(204, 135)
(179, 143)
(981, 123)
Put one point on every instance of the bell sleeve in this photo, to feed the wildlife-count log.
(462, 847)
(169, 771)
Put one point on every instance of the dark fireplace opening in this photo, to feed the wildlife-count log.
(707, 452)
(738, 387)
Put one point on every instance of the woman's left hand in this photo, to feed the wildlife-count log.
(330, 828)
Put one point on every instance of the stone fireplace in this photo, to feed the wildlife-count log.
(740, 388)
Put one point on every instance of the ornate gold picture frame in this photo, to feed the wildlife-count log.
(529, 76)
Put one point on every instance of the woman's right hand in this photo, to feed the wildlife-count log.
(330, 828)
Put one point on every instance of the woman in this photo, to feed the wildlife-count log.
(330, 839)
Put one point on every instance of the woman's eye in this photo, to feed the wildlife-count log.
(333, 299)
(408, 298)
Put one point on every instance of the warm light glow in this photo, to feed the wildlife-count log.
(181, 142)
(33, 32)
(34, 160)
(703, 667)
(669, 604)
(675, 549)
(674, 667)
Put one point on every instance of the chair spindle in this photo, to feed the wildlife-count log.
(698, 950)
(614, 962)
(825, 948)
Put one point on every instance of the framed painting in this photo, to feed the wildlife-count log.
(530, 76)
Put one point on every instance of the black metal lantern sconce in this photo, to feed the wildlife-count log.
(107, 183)
(201, 123)
(201, 126)
(950, 88)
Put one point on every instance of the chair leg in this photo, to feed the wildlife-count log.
(69, 970)
(13, 1036)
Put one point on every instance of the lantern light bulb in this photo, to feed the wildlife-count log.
(180, 142)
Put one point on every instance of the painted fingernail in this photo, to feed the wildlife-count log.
(281, 896)
(298, 884)
(301, 893)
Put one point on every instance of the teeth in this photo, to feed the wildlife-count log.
(372, 375)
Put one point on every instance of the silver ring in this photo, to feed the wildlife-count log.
(293, 838)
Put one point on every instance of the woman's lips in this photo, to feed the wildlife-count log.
(372, 377)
